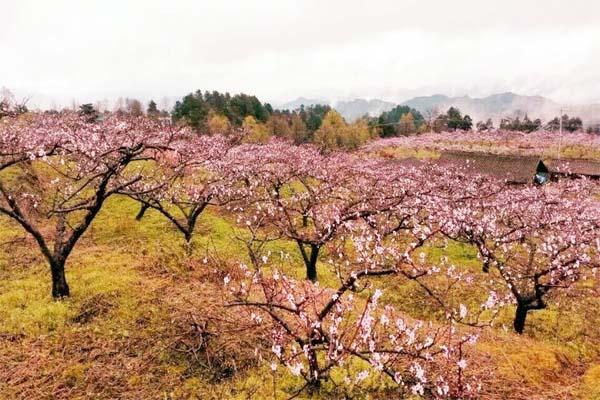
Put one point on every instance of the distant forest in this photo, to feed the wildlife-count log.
(215, 112)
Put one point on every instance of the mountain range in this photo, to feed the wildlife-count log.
(495, 106)
(350, 110)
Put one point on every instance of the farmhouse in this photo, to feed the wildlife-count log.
(516, 170)
(520, 170)
(572, 168)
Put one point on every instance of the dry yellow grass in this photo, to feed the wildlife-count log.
(146, 321)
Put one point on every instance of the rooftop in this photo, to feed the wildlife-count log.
(515, 169)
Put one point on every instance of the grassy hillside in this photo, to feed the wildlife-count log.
(145, 320)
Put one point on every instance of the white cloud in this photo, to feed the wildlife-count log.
(282, 49)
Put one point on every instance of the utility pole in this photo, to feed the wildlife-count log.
(560, 131)
(431, 125)
(560, 122)
(432, 114)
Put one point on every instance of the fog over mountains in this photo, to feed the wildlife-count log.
(350, 110)
(495, 106)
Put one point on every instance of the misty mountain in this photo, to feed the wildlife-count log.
(425, 103)
(354, 109)
(301, 101)
(495, 106)
(590, 113)
(350, 110)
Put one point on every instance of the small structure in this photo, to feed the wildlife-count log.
(516, 170)
(572, 169)
(521, 170)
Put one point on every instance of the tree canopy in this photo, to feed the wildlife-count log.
(194, 108)
(516, 124)
(568, 124)
(392, 123)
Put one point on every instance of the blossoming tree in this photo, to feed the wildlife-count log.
(315, 330)
(535, 240)
(308, 197)
(68, 187)
(191, 176)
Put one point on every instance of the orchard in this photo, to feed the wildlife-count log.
(327, 238)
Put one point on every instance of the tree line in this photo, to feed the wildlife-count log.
(221, 113)
(217, 112)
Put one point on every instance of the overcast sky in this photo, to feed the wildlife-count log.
(279, 50)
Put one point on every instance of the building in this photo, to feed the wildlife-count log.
(571, 169)
(521, 170)
(516, 170)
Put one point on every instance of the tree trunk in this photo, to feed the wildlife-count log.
(314, 386)
(311, 272)
(520, 316)
(60, 288)
(314, 383)
(310, 260)
(311, 267)
(189, 247)
(140, 214)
